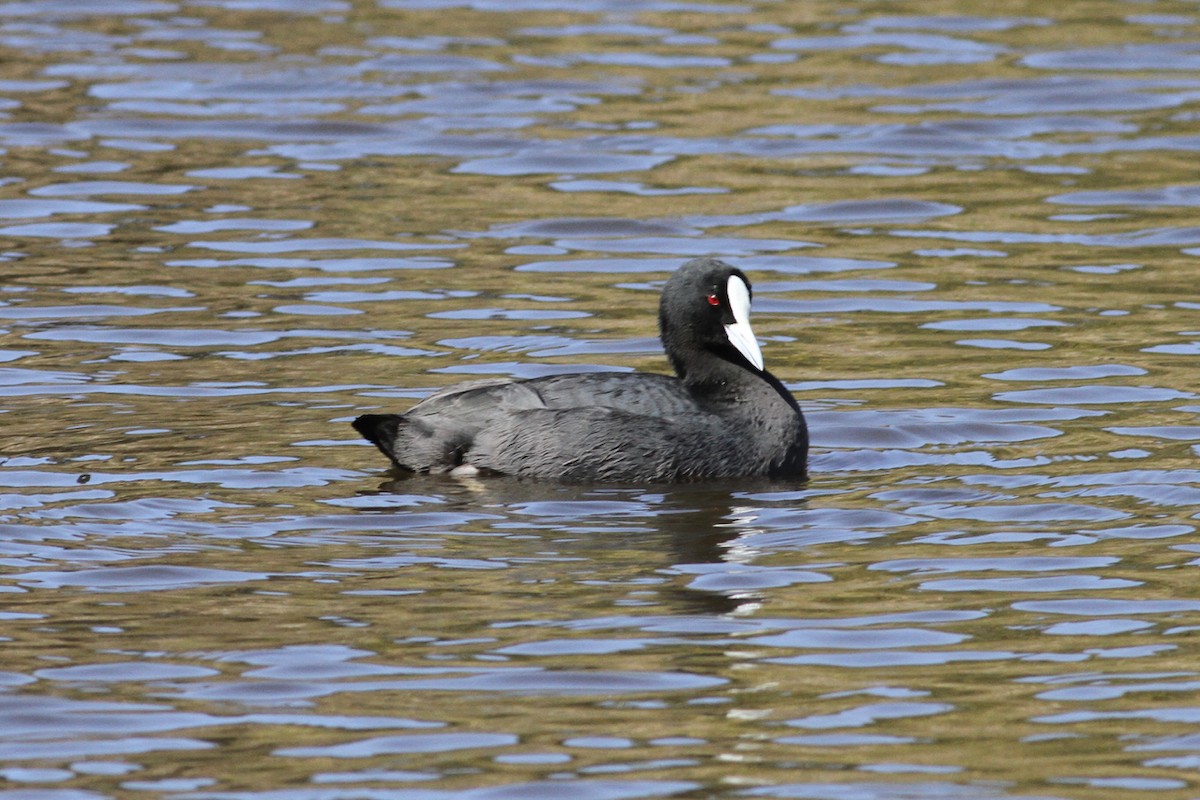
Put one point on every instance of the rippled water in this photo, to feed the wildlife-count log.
(230, 226)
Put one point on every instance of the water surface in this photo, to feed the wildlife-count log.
(230, 226)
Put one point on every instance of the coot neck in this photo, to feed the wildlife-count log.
(722, 376)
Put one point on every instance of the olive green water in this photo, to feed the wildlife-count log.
(228, 227)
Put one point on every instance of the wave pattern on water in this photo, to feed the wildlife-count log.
(230, 226)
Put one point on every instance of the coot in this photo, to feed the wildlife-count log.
(722, 415)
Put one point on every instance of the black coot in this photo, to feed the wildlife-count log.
(722, 416)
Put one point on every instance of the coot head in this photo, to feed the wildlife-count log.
(704, 311)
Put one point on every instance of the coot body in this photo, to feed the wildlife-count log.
(722, 415)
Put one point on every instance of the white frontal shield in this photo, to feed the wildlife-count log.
(739, 332)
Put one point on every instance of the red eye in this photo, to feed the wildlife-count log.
(713, 300)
